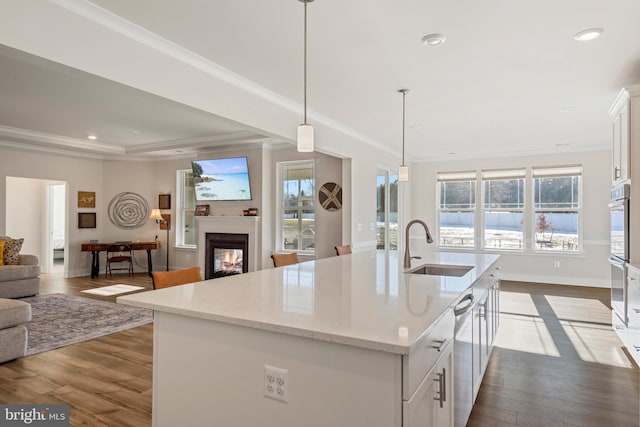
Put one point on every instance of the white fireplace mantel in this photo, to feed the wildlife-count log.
(249, 225)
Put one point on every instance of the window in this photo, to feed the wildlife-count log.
(556, 208)
(186, 204)
(387, 212)
(456, 209)
(526, 209)
(503, 207)
(297, 183)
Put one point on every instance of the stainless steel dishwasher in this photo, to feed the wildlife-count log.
(463, 360)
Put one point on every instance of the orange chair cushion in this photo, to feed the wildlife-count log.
(284, 259)
(165, 279)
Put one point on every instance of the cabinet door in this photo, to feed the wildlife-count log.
(624, 144)
(432, 403)
(615, 160)
(621, 169)
(633, 332)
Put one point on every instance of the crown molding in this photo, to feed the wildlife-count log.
(58, 141)
(197, 142)
(124, 27)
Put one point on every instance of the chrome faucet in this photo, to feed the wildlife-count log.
(407, 254)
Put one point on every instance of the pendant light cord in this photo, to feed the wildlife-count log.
(305, 61)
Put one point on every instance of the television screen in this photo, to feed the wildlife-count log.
(221, 179)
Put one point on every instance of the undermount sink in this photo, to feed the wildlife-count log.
(441, 270)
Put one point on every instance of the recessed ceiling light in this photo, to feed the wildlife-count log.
(433, 39)
(589, 34)
(92, 137)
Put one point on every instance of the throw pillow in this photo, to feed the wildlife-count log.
(11, 251)
(1, 252)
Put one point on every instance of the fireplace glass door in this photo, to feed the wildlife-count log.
(227, 261)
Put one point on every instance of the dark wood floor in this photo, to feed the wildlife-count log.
(557, 362)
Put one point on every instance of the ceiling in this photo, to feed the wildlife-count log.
(509, 80)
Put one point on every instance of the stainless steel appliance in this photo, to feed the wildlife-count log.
(463, 360)
(619, 256)
(619, 225)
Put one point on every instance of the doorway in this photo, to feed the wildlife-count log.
(57, 229)
(387, 210)
(36, 211)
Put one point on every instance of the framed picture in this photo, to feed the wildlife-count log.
(86, 199)
(86, 220)
(202, 210)
(164, 201)
(166, 224)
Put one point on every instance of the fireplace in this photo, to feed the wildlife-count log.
(226, 254)
(235, 226)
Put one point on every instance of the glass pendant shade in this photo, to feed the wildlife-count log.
(403, 173)
(305, 138)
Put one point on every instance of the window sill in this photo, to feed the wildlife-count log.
(577, 254)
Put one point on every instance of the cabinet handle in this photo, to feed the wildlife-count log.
(637, 347)
(636, 310)
(438, 344)
(442, 390)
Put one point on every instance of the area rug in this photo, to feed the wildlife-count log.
(59, 320)
(113, 289)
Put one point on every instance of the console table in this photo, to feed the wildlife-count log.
(95, 249)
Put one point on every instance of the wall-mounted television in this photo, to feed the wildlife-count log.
(221, 179)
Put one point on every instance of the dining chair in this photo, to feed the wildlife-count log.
(165, 279)
(343, 250)
(284, 259)
(119, 254)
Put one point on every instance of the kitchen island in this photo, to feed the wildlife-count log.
(340, 341)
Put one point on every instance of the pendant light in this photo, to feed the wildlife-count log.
(305, 130)
(403, 172)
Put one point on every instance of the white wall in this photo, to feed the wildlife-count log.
(590, 268)
(80, 174)
(27, 217)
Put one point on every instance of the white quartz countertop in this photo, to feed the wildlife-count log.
(363, 299)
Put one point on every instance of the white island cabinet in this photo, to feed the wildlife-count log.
(343, 341)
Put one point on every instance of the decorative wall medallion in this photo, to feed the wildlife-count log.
(330, 196)
(128, 210)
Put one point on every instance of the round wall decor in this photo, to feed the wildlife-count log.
(330, 196)
(128, 210)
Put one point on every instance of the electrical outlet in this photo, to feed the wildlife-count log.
(556, 264)
(276, 383)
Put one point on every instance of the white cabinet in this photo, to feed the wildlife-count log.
(620, 150)
(485, 323)
(633, 331)
(625, 113)
(428, 378)
(432, 403)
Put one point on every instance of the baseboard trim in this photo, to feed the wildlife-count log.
(558, 280)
